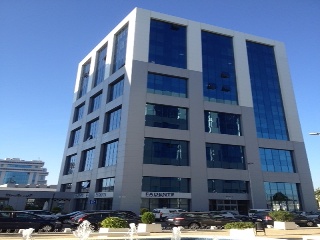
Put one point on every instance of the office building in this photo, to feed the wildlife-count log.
(168, 112)
(17, 171)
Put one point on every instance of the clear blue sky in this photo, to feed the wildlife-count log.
(42, 42)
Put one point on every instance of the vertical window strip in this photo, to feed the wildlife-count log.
(119, 57)
(101, 66)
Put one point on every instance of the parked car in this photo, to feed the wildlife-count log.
(161, 213)
(43, 213)
(66, 218)
(196, 220)
(231, 214)
(95, 218)
(257, 210)
(14, 220)
(300, 220)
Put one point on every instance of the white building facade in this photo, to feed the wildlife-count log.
(169, 112)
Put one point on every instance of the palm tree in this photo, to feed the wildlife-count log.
(280, 197)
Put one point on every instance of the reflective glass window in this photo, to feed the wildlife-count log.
(92, 129)
(119, 57)
(223, 123)
(276, 160)
(168, 44)
(166, 116)
(83, 187)
(78, 112)
(84, 79)
(70, 164)
(167, 85)
(266, 93)
(74, 137)
(109, 154)
(113, 119)
(95, 102)
(16, 177)
(282, 195)
(218, 68)
(101, 66)
(165, 184)
(166, 152)
(116, 89)
(225, 156)
(227, 186)
(87, 160)
(106, 184)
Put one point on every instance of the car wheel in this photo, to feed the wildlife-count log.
(194, 226)
(46, 228)
(309, 224)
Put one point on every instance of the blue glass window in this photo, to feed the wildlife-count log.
(92, 129)
(227, 186)
(165, 184)
(275, 160)
(101, 66)
(168, 44)
(109, 154)
(119, 57)
(106, 184)
(74, 137)
(225, 156)
(84, 79)
(16, 177)
(70, 164)
(167, 85)
(219, 75)
(166, 116)
(266, 92)
(113, 119)
(166, 152)
(223, 123)
(95, 102)
(78, 112)
(87, 160)
(116, 89)
(83, 187)
(282, 195)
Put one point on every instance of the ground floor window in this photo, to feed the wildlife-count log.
(36, 203)
(4, 202)
(152, 203)
(104, 204)
(242, 206)
(81, 204)
(284, 196)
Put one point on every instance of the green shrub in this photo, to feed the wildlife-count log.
(56, 209)
(148, 218)
(239, 225)
(7, 208)
(281, 216)
(143, 210)
(114, 222)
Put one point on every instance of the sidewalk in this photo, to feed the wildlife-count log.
(296, 234)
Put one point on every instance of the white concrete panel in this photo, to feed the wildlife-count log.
(194, 51)
(288, 98)
(242, 71)
(141, 36)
